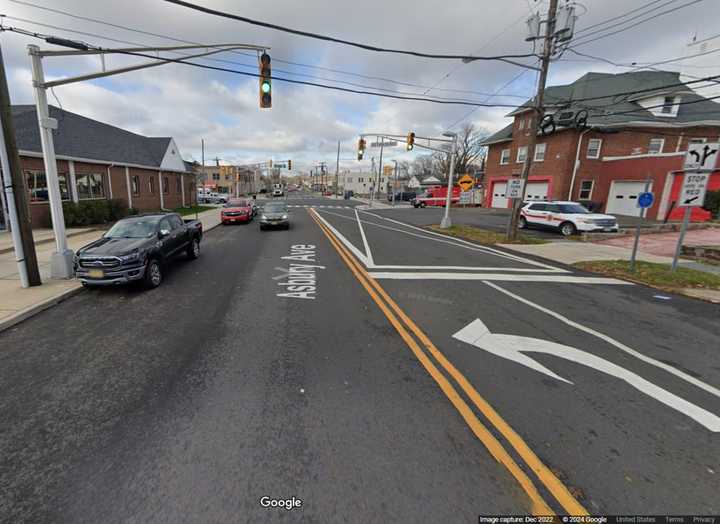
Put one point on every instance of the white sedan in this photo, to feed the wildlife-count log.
(567, 217)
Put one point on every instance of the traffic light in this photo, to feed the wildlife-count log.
(361, 148)
(289, 165)
(410, 141)
(265, 81)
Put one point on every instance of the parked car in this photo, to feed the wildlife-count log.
(274, 214)
(138, 249)
(402, 196)
(566, 217)
(236, 210)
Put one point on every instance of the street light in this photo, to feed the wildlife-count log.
(446, 222)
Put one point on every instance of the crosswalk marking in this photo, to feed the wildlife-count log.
(320, 206)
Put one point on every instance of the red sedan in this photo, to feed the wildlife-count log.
(236, 210)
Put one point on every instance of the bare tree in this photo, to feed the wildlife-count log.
(423, 166)
(468, 156)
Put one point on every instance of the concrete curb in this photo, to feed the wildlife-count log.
(37, 308)
(52, 239)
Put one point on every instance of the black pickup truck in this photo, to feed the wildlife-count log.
(138, 249)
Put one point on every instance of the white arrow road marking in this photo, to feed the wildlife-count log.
(371, 262)
(512, 347)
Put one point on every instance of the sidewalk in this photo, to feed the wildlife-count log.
(17, 303)
(570, 252)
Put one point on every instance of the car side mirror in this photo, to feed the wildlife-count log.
(164, 233)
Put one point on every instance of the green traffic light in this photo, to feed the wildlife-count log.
(265, 86)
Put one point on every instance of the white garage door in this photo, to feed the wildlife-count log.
(498, 196)
(536, 191)
(622, 199)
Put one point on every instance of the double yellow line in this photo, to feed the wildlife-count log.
(404, 326)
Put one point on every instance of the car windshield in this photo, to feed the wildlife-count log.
(133, 228)
(573, 209)
(237, 203)
(275, 208)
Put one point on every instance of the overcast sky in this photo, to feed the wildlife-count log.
(305, 123)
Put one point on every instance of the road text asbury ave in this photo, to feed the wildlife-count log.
(301, 279)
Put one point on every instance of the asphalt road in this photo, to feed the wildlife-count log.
(193, 401)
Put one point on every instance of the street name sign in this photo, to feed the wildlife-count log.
(515, 188)
(693, 190)
(701, 157)
(387, 143)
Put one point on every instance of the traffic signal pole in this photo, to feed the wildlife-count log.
(538, 112)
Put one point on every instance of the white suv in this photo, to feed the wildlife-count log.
(567, 217)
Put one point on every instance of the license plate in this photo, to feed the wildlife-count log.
(607, 229)
(96, 273)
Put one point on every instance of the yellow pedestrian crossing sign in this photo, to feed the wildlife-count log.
(466, 182)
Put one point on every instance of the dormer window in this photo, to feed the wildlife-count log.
(668, 103)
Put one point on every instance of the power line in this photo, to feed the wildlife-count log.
(579, 31)
(184, 41)
(326, 38)
(255, 75)
(577, 44)
(250, 66)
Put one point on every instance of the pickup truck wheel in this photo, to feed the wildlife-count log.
(153, 274)
(422, 204)
(193, 250)
(522, 223)
(567, 229)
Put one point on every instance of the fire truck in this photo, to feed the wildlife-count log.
(436, 196)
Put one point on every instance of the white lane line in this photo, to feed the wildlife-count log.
(463, 243)
(368, 253)
(450, 241)
(570, 279)
(344, 240)
(471, 268)
(649, 360)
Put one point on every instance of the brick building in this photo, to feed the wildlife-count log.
(628, 139)
(99, 161)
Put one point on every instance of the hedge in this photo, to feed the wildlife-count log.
(712, 203)
(90, 212)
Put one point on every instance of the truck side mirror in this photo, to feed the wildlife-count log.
(163, 233)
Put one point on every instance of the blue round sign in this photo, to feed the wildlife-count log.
(646, 199)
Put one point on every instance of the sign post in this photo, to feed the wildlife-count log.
(645, 200)
(515, 189)
(700, 161)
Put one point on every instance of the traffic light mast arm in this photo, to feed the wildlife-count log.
(402, 137)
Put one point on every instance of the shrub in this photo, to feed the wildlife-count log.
(712, 203)
(89, 212)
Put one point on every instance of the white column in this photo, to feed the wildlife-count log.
(182, 187)
(109, 177)
(160, 185)
(72, 182)
(129, 187)
(61, 262)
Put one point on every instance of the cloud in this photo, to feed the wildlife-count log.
(306, 123)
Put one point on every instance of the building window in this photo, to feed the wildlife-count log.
(593, 148)
(540, 152)
(178, 181)
(668, 103)
(166, 185)
(135, 183)
(349, 180)
(529, 122)
(504, 157)
(227, 177)
(89, 186)
(586, 187)
(151, 185)
(37, 185)
(521, 124)
(216, 176)
(656, 146)
(521, 154)
(361, 179)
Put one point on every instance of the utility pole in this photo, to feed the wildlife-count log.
(14, 188)
(61, 262)
(538, 112)
(337, 172)
(394, 185)
(377, 185)
(446, 222)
